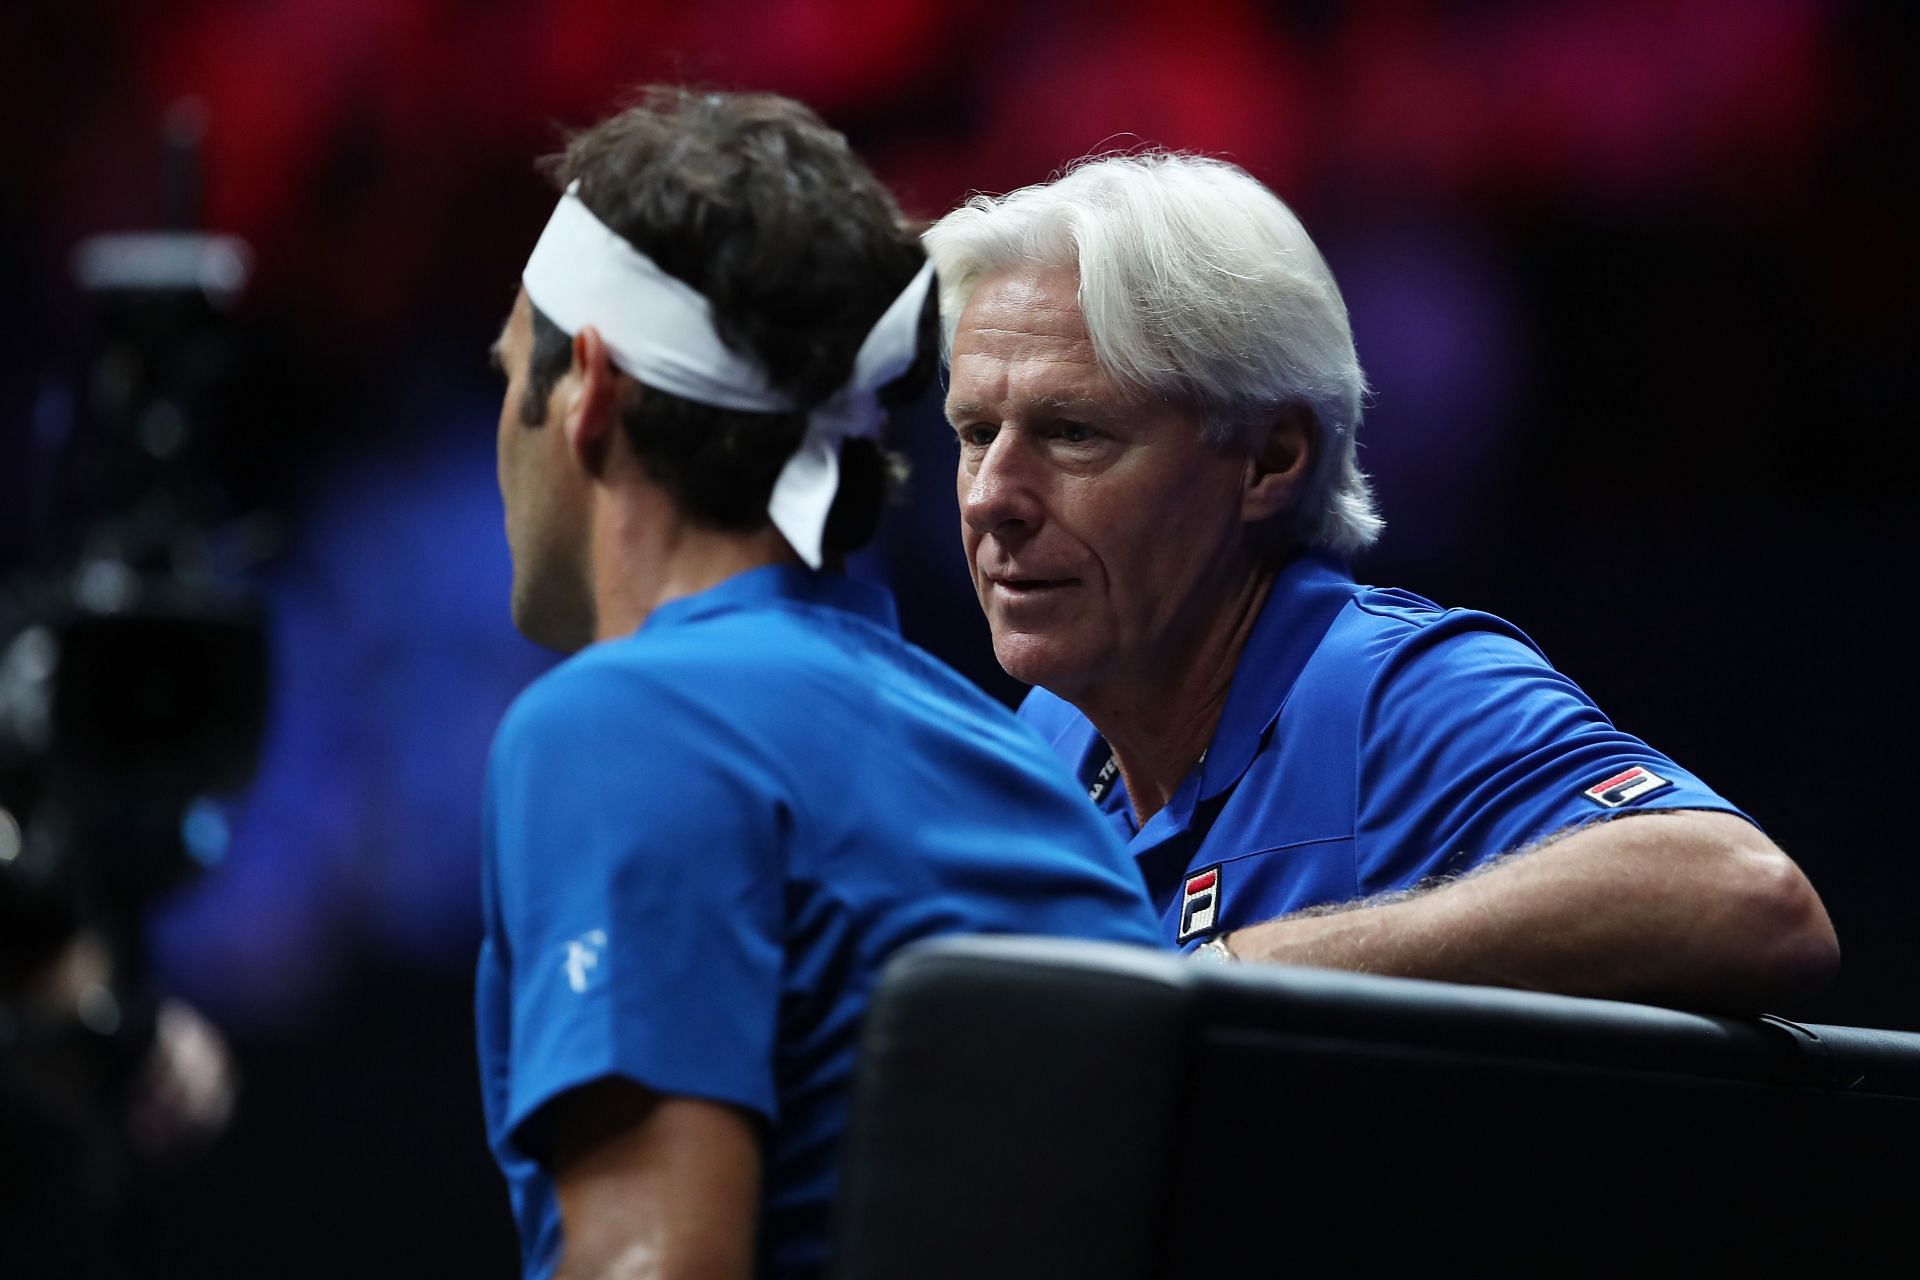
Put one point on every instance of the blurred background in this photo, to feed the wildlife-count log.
(1632, 282)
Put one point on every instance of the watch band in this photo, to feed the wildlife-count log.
(1214, 950)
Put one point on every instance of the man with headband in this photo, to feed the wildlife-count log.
(708, 829)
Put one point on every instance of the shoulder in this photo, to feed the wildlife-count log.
(1392, 643)
(613, 755)
(604, 684)
(631, 698)
(1398, 679)
(1401, 626)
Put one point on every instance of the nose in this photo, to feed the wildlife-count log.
(999, 488)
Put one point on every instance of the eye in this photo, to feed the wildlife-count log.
(1075, 432)
(976, 435)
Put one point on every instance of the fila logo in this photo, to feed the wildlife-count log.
(1622, 787)
(1199, 903)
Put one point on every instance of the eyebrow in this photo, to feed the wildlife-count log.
(1057, 406)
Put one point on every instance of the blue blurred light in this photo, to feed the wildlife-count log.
(204, 832)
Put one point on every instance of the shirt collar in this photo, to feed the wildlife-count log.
(781, 583)
(1300, 606)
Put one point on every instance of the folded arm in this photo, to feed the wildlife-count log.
(1686, 908)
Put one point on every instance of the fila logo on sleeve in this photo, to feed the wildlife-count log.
(1622, 787)
(1199, 903)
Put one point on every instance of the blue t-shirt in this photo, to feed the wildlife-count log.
(1370, 740)
(702, 842)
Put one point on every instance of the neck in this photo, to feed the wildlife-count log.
(646, 553)
(1158, 724)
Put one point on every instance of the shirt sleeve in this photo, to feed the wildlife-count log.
(1472, 745)
(635, 855)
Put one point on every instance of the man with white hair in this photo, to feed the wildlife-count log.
(1155, 391)
(708, 829)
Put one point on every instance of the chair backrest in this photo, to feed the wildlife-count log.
(1031, 1107)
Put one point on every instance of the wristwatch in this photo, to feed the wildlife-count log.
(1214, 950)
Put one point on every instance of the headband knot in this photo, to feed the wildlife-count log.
(660, 330)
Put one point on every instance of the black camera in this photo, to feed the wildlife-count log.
(133, 694)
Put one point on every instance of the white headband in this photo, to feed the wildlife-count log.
(660, 330)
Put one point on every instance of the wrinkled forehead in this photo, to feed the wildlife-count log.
(1022, 350)
(1035, 304)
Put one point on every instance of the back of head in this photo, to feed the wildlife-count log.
(760, 207)
(1197, 284)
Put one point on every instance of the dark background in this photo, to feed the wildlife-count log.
(1632, 281)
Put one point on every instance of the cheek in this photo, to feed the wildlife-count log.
(1197, 522)
(1156, 539)
(1121, 516)
(506, 437)
(969, 536)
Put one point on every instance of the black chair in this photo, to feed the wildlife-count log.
(1038, 1108)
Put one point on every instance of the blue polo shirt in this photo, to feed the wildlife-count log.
(703, 840)
(1370, 740)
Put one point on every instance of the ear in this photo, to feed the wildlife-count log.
(590, 418)
(1281, 451)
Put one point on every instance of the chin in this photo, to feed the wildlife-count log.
(548, 626)
(1036, 661)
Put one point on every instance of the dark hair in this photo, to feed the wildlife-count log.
(758, 205)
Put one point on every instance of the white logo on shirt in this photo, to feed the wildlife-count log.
(583, 954)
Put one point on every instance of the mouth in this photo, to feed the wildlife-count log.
(1030, 588)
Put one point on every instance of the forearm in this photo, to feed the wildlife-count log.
(1691, 909)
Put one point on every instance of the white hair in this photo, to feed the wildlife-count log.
(1197, 284)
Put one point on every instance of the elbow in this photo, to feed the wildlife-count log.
(1791, 951)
